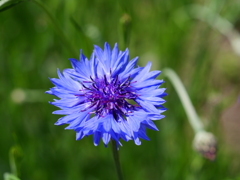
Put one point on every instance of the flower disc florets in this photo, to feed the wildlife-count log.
(108, 97)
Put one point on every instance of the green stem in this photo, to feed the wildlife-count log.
(125, 29)
(214, 20)
(193, 118)
(116, 160)
(13, 162)
(57, 27)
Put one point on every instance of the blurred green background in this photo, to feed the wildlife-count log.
(199, 39)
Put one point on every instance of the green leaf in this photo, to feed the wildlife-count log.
(6, 4)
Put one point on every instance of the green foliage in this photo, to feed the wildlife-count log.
(8, 176)
(37, 37)
(6, 4)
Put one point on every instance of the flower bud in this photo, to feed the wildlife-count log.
(206, 144)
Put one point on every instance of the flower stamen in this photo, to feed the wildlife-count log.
(110, 97)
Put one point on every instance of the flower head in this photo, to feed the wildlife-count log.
(108, 97)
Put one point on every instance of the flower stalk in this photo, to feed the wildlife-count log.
(204, 142)
(193, 118)
(116, 160)
(125, 28)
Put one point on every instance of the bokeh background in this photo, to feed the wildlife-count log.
(199, 39)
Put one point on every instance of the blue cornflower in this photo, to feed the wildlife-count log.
(108, 97)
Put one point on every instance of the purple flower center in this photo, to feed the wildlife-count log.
(110, 96)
